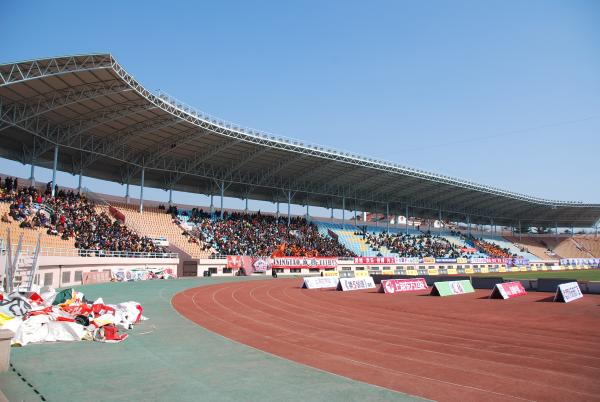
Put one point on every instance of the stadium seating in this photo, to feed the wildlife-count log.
(264, 235)
(67, 220)
(347, 237)
(155, 223)
(30, 235)
(591, 244)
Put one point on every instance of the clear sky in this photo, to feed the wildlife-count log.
(504, 93)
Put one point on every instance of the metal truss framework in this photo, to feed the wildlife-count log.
(144, 113)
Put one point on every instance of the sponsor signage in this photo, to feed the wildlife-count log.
(428, 260)
(347, 284)
(361, 274)
(517, 262)
(446, 260)
(567, 292)
(402, 285)
(478, 260)
(508, 290)
(234, 261)
(461, 260)
(304, 262)
(331, 273)
(319, 282)
(451, 288)
(580, 261)
(375, 260)
(408, 260)
(260, 264)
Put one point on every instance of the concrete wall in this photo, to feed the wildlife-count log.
(68, 271)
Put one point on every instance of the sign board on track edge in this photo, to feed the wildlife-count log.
(402, 285)
(347, 284)
(319, 282)
(508, 290)
(451, 288)
(567, 292)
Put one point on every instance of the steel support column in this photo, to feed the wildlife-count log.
(222, 196)
(212, 204)
(406, 221)
(355, 213)
(289, 216)
(344, 212)
(277, 215)
(127, 192)
(54, 166)
(170, 196)
(387, 217)
(32, 175)
(142, 191)
(80, 180)
(469, 225)
(520, 231)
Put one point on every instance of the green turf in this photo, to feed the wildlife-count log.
(169, 358)
(581, 275)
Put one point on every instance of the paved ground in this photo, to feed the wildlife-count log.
(460, 348)
(170, 358)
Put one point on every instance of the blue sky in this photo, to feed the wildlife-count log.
(504, 93)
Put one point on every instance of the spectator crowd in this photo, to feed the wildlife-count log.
(70, 215)
(263, 235)
(407, 245)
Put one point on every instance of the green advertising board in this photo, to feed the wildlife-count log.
(451, 288)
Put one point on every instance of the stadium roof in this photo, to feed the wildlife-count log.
(108, 126)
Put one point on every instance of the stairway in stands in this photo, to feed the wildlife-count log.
(155, 223)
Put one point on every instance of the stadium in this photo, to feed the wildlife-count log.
(412, 285)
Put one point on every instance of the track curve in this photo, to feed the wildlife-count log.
(453, 349)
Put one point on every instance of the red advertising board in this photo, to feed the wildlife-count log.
(234, 261)
(402, 285)
(508, 290)
(304, 262)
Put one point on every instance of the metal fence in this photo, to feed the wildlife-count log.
(28, 250)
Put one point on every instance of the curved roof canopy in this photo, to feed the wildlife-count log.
(109, 126)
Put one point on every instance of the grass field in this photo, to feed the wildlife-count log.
(582, 275)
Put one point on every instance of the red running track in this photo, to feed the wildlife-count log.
(459, 348)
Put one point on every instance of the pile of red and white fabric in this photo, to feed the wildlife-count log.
(50, 316)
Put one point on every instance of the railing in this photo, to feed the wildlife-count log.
(224, 256)
(27, 249)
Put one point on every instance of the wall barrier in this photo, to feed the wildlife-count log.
(551, 284)
(486, 282)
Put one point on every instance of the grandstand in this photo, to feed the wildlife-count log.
(87, 116)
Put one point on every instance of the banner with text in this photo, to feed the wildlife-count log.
(402, 285)
(320, 282)
(347, 284)
(508, 290)
(595, 262)
(567, 292)
(304, 262)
